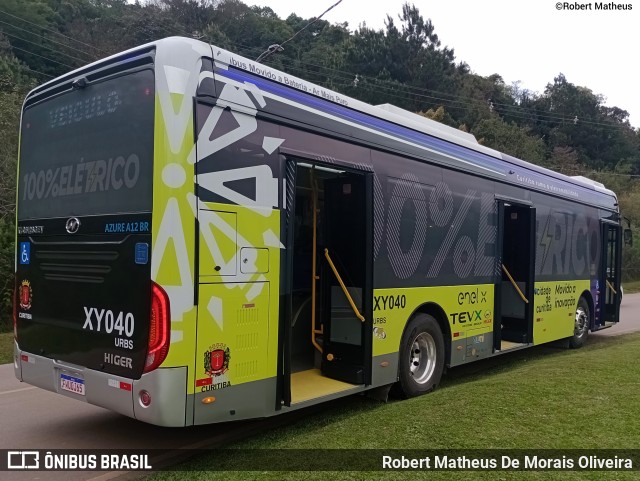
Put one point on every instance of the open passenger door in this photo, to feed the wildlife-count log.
(513, 324)
(347, 278)
(609, 282)
(327, 314)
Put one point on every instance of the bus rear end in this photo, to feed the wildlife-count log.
(89, 322)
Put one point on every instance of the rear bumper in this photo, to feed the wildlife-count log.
(167, 388)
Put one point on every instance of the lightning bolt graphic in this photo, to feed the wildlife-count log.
(546, 238)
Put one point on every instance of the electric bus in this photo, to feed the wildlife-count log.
(203, 238)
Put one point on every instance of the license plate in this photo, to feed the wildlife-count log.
(72, 384)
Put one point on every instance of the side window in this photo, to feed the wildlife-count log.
(206, 85)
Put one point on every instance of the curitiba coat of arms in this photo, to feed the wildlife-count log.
(216, 360)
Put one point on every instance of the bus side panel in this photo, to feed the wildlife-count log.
(173, 258)
(239, 194)
(469, 310)
(237, 312)
(567, 264)
(555, 309)
(432, 226)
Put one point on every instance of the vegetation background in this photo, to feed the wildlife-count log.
(566, 127)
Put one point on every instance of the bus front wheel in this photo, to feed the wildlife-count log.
(581, 325)
(421, 356)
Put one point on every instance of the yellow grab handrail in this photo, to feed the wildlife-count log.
(344, 288)
(610, 286)
(314, 277)
(515, 286)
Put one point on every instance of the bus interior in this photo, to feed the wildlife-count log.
(514, 316)
(329, 278)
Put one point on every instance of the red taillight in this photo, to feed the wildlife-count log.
(158, 328)
(145, 398)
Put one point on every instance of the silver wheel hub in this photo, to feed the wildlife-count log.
(422, 359)
(582, 323)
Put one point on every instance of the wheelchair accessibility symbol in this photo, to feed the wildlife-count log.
(25, 252)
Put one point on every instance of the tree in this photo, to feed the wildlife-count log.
(31, 26)
(575, 116)
(406, 65)
(11, 96)
(510, 139)
(439, 115)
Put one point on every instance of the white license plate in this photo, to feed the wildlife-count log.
(72, 384)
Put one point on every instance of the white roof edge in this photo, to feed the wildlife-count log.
(434, 128)
(428, 123)
(155, 43)
(599, 186)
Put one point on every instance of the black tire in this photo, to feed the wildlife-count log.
(581, 326)
(421, 359)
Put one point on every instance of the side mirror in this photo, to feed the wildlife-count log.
(628, 237)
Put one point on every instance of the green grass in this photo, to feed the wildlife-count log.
(630, 287)
(6, 347)
(540, 398)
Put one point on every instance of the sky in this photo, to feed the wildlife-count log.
(530, 42)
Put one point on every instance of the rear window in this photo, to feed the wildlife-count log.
(89, 151)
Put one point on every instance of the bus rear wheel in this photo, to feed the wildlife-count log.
(421, 356)
(581, 325)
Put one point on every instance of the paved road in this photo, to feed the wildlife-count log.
(37, 419)
(629, 317)
(33, 418)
